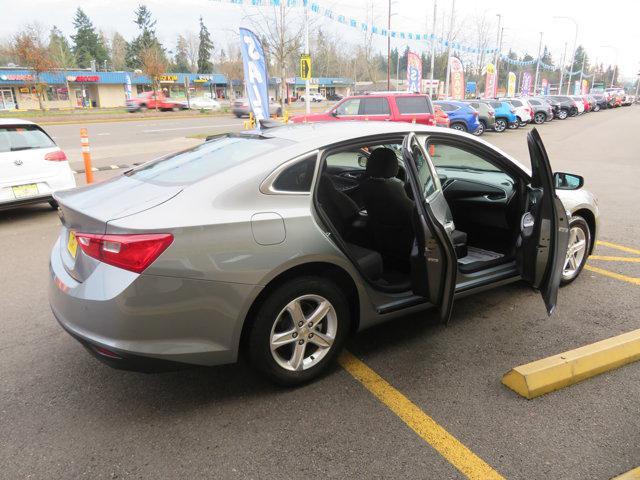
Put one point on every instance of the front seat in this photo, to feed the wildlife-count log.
(388, 207)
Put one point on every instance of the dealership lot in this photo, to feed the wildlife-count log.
(64, 415)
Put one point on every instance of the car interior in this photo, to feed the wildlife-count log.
(363, 193)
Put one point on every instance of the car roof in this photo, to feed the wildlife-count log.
(15, 121)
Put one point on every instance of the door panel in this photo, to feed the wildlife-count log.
(544, 228)
(433, 260)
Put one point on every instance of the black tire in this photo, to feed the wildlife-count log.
(238, 115)
(142, 108)
(578, 222)
(539, 118)
(514, 126)
(563, 114)
(480, 130)
(259, 346)
(459, 126)
(500, 125)
(521, 123)
(279, 112)
(596, 108)
(53, 204)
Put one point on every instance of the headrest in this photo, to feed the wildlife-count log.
(382, 163)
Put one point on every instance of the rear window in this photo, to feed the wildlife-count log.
(496, 104)
(211, 157)
(23, 137)
(417, 104)
(374, 106)
(516, 103)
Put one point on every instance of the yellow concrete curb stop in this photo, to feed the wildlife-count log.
(559, 371)
(631, 475)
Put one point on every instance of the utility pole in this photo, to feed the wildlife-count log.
(446, 80)
(389, 47)
(535, 82)
(573, 55)
(564, 54)
(307, 100)
(433, 46)
(497, 55)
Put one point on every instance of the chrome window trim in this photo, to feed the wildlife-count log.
(267, 187)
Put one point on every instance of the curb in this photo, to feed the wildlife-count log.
(558, 371)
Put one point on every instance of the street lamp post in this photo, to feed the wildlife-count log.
(433, 46)
(446, 80)
(535, 82)
(575, 39)
(564, 56)
(497, 55)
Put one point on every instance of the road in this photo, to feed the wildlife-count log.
(125, 143)
(64, 415)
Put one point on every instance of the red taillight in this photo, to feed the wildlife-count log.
(130, 252)
(56, 156)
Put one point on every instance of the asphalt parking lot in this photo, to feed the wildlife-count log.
(64, 415)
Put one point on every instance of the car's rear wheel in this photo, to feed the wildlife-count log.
(459, 126)
(596, 108)
(53, 204)
(515, 125)
(539, 118)
(142, 108)
(577, 250)
(299, 330)
(562, 114)
(480, 130)
(521, 123)
(501, 125)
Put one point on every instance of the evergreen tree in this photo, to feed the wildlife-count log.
(205, 49)
(118, 52)
(87, 44)
(577, 60)
(145, 40)
(59, 49)
(181, 57)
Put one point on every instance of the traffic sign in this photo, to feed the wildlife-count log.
(305, 66)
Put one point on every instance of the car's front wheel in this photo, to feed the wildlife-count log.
(299, 330)
(562, 114)
(500, 125)
(459, 126)
(577, 250)
(480, 130)
(539, 118)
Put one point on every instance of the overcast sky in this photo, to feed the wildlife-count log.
(612, 24)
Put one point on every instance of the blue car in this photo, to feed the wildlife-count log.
(505, 115)
(462, 116)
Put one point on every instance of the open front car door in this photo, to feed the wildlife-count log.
(544, 228)
(433, 258)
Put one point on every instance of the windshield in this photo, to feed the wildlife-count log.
(23, 137)
(207, 159)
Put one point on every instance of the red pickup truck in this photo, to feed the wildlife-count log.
(389, 107)
(146, 101)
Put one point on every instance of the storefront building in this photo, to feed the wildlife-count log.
(68, 89)
(327, 86)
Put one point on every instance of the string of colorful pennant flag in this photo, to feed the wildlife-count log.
(349, 21)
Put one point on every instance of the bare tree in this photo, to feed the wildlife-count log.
(153, 65)
(118, 51)
(30, 50)
(231, 64)
(281, 29)
(192, 44)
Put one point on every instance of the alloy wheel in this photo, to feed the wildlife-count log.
(303, 332)
(480, 130)
(539, 118)
(576, 252)
(457, 126)
(562, 114)
(500, 125)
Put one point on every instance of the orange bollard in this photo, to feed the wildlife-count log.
(86, 154)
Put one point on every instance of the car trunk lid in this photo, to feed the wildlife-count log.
(88, 209)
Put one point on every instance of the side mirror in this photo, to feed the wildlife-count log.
(334, 113)
(567, 181)
(362, 160)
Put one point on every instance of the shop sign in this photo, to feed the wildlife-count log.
(18, 78)
(203, 78)
(24, 90)
(83, 78)
(168, 78)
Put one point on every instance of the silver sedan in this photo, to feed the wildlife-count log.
(278, 244)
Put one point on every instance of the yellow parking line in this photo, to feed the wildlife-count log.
(559, 371)
(609, 258)
(445, 444)
(631, 475)
(617, 276)
(615, 246)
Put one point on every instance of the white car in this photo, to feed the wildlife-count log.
(524, 112)
(204, 103)
(579, 103)
(314, 97)
(32, 166)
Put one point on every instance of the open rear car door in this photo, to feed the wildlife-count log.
(433, 258)
(544, 228)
